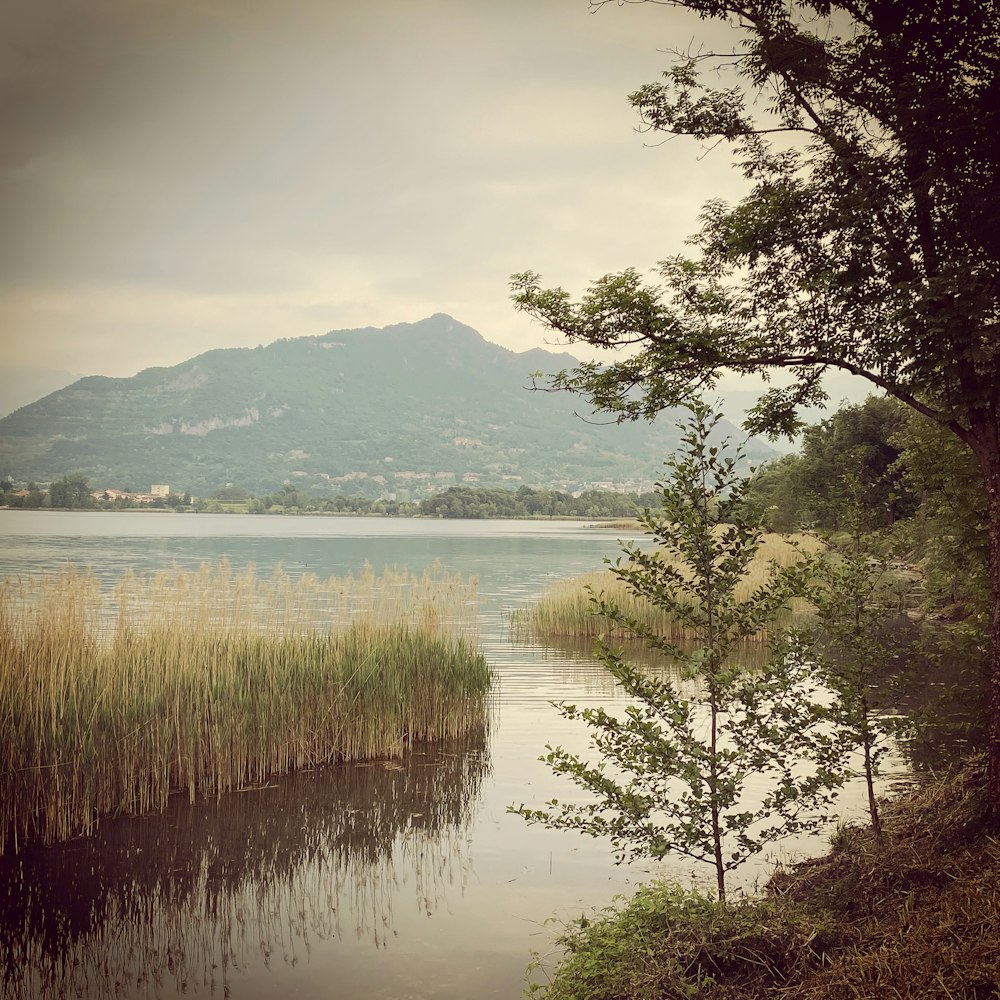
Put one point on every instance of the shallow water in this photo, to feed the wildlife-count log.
(383, 879)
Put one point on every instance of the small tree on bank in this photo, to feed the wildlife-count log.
(673, 774)
(856, 600)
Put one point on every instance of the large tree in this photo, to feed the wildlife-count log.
(869, 241)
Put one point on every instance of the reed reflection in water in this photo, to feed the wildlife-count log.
(186, 900)
(583, 673)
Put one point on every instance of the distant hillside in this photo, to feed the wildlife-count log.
(411, 409)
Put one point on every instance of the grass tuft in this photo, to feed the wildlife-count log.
(676, 945)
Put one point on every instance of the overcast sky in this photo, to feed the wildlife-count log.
(180, 175)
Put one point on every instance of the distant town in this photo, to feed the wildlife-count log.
(73, 492)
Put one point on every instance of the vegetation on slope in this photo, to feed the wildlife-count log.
(909, 915)
(353, 411)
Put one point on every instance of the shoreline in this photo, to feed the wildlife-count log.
(596, 521)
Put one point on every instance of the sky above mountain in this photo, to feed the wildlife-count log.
(178, 175)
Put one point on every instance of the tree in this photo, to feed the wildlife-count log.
(680, 763)
(849, 461)
(850, 466)
(36, 497)
(859, 660)
(230, 494)
(950, 533)
(869, 242)
(71, 491)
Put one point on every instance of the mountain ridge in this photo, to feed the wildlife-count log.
(407, 409)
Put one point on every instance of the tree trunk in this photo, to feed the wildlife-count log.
(987, 450)
(870, 781)
(713, 790)
(994, 730)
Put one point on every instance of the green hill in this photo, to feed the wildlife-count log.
(411, 409)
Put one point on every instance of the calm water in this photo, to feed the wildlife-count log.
(382, 880)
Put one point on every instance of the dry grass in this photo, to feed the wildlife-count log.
(213, 680)
(920, 909)
(620, 524)
(565, 610)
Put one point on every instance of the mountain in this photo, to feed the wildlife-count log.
(409, 409)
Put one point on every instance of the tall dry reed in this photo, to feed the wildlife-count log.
(214, 680)
(565, 610)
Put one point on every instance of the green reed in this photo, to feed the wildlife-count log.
(215, 680)
(565, 609)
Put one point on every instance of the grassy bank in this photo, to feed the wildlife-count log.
(211, 681)
(565, 610)
(913, 915)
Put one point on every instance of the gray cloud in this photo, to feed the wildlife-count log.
(184, 174)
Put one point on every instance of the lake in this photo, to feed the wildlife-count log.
(398, 879)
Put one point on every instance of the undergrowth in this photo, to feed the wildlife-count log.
(913, 914)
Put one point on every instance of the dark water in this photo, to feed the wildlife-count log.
(380, 880)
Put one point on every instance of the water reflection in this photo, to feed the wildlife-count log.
(188, 897)
(580, 669)
(944, 689)
(935, 679)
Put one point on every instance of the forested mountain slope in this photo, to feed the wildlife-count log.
(411, 408)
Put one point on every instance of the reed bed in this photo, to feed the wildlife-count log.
(215, 597)
(566, 610)
(211, 681)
